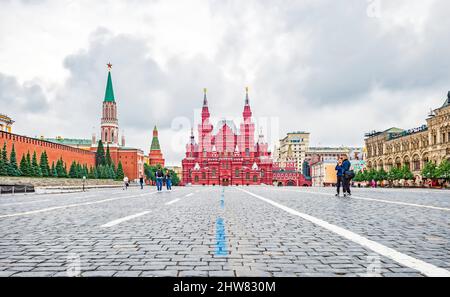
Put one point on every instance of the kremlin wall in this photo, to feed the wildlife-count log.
(24, 144)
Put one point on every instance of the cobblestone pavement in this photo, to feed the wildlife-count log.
(214, 231)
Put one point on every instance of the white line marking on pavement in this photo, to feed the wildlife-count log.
(408, 261)
(381, 200)
(124, 219)
(20, 203)
(173, 201)
(189, 195)
(68, 206)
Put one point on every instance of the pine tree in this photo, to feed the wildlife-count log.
(5, 164)
(120, 174)
(112, 171)
(53, 171)
(35, 168)
(73, 170)
(24, 166)
(2, 165)
(60, 168)
(85, 171)
(108, 160)
(95, 173)
(64, 169)
(13, 168)
(100, 154)
(30, 169)
(79, 170)
(44, 165)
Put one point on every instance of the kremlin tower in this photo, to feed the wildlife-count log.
(109, 122)
(155, 156)
(132, 159)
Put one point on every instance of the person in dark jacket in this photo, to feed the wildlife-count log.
(340, 176)
(141, 182)
(159, 179)
(168, 178)
(346, 165)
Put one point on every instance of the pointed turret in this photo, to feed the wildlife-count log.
(155, 141)
(247, 114)
(109, 92)
(155, 157)
(205, 109)
(192, 136)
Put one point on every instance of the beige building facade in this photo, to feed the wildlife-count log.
(414, 147)
(6, 123)
(293, 147)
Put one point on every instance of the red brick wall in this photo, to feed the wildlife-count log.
(130, 162)
(23, 144)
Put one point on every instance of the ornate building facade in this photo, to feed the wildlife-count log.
(6, 123)
(288, 174)
(155, 157)
(225, 155)
(414, 147)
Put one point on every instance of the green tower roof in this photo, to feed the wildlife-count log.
(155, 141)
(109, 93)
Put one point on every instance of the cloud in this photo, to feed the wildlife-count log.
(25, 98)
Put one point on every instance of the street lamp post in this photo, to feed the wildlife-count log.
(84, 181)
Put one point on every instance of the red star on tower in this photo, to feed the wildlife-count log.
(109, 66)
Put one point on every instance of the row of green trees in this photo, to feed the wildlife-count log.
(150, 172)
(394, 174)
(430, 171)
(434, 172)
(30, 166)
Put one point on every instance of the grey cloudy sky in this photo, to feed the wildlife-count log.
(337, 69)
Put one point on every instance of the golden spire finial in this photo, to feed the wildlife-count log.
(246, 90)
(205, 90)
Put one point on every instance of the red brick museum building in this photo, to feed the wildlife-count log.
(225, 155)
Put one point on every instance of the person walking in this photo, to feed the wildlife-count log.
(141, 182)
(125, 183)
(168, 178)
(348, 175)
(159, 179)
(340, 176)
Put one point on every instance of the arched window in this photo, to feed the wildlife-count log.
(416, 163)
(112, 136)
(213, 172)
(237, 172)
(255, 178)
(203, 175)
(106, 136)
(196, 178)
(247, 176)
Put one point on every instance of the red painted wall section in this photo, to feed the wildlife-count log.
(24, 144)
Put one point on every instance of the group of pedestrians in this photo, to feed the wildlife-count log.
(344, 176)
(160, 177)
